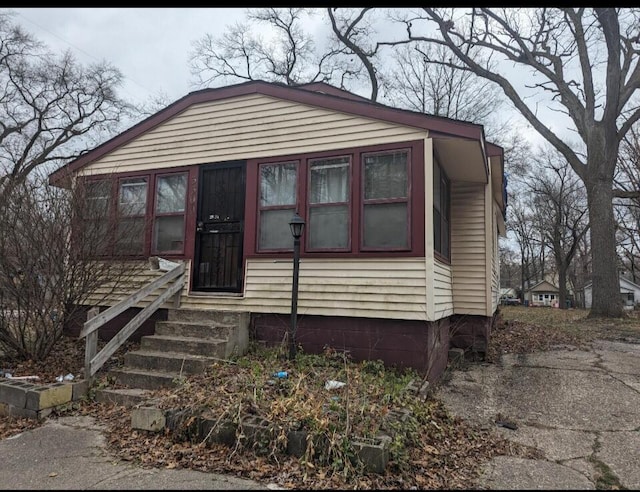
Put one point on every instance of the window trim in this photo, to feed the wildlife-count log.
(445, 196)
(294, 206)
(118, 216)
(155, 215)
(382, 201)
(190, 211)
(348, 203)
(417, 202)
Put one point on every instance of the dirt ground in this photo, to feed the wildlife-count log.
(450, 458)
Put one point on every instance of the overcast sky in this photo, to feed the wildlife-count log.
(150, 46)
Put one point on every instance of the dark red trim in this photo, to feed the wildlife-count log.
(345, 103)
(152, 175)
(364, 201)
(416, 202)
(348, 203)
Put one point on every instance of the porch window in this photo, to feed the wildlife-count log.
(329, 214)
(441, 205)
(386, 200)
(132, 207)
(169, 213)
(96, 216)
(278, 188)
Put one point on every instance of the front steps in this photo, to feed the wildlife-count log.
(187, 343)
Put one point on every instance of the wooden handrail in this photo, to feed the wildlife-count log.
(94, 361)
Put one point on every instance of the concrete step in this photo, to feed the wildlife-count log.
(128, 397)
(167, 362)
(195, 329)
(139, 378)
(208, 316)
(187, 345)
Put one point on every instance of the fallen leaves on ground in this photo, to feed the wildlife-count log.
(444, 453)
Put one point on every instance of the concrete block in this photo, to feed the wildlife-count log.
(223, 432)
(257, 433)
(148, 418)
(79, 389)
(14, 393)
(47, 396)
(297, 443)
(372, 452)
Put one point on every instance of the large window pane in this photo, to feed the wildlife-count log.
(385, 176)
(274, 229)
(168, 233)
(329, 181)
(130, 236)
(170, 194)
(278, 184)
(385, 225)
(98, 195)
(436, 186)
(329, 227)
(132, 196)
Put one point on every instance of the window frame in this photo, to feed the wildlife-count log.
(294, 207)
(144, 216)
(417, 201)
(381, 201)
(155, 215)
(348, 203)
(190, 211)
(111, 211)
(445, 201)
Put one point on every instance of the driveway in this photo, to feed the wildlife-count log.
(580, 408)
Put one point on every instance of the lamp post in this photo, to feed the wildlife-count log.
(297, 228)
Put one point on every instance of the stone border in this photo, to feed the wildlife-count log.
(36, 401)
(256, 431)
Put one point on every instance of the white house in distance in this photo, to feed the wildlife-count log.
(629, 292)
(543, 293)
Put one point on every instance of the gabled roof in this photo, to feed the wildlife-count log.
(314, 94)
(543, 286)
(623, 280)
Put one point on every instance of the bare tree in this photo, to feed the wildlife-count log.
(559, 200)
(563, 49)
(50, 263)
(51, 108)
(242, 55)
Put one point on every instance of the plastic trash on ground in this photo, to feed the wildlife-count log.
(331, 384)
(280, 374)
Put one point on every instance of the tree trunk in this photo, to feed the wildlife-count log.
(605, 288)
(562, 288)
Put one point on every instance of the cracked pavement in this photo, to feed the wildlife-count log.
(69, 453)
(580, 408)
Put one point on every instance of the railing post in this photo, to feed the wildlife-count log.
(91, 345)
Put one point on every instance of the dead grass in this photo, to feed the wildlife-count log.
(435, 450)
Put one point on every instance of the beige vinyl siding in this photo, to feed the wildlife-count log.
(468, 248)
(381, 288)
(495, 263)
(442, 292)
(245, 127)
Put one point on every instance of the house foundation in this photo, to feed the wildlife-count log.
(420, 345)
(470, 333)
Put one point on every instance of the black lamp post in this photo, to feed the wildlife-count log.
(297, 228)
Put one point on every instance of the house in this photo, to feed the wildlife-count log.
(543, 293)
(402, 212)
(629, 291)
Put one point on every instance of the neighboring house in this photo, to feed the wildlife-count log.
(629, 291)
(403, 212)
(543, 293)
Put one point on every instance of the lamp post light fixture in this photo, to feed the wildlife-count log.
(296, 224)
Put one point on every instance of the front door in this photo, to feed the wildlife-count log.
(218, 262)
